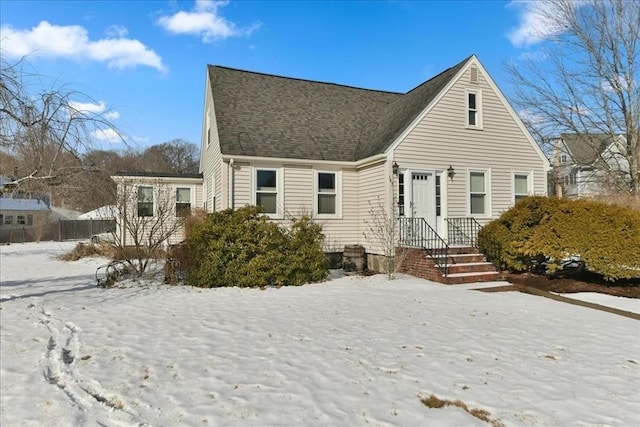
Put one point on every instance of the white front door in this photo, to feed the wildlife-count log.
(423, 197)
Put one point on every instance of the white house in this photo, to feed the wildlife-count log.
(443, 158)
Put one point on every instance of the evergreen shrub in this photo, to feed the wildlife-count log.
(244, 248)
(606, 237)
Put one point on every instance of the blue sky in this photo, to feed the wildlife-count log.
(145, 61)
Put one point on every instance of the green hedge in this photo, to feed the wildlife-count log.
(607, 237)
(244, 248)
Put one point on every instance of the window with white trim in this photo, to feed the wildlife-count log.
(145, 201)
(267, 190)
(21, 220)
(477, 193)
(183, 201)
(326, 193)
(520, 187)
(8, 219)
(474, 109)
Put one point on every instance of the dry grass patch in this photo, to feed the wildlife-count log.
(435, 402)
(83, 250)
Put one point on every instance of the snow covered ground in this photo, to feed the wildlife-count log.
(353, 351)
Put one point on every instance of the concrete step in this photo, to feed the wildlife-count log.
(460, 278)
(470, 267)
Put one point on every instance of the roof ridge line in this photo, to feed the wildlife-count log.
(304, 80)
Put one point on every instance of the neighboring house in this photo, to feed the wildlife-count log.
(20, 213)
(449, 151)
(589, 165)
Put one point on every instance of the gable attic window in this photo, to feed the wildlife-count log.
(326, 193)
(474, 110)
(267, 190)
(183, 201)
(145, 201)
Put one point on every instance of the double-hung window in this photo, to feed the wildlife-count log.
(145, 201)
(520, 187)
(21, 220)
(326, 193)
(183, 201)
(474, 109)
(267, 190)
(477, 193)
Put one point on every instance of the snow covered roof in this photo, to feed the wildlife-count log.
(10, 204)
(103, 212)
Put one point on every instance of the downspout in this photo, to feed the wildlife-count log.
(231, 185)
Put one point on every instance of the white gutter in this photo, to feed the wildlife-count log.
(357, 164)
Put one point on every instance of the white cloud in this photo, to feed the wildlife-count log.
(535, 22)
(112, 115)
(95, 108)
(72, 42)
(204, 21)
(88, 107)
(108, 135)
(117, 31)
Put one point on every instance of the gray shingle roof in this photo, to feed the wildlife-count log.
(10, 204)
(586, 148)
(271, 116)
(158, 174)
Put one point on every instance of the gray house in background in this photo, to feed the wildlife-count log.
(19, 213)
(590, 165)
(446, 156)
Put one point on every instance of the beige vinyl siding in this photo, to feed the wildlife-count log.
(164, 191)
(343, 231)
(242, 185)
(298, 190)
(501, 148)
(372, 191)
(211, 158)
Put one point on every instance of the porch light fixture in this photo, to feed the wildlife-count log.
(395, 168)
(451, 172)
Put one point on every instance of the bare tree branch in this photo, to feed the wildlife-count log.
(585, 80)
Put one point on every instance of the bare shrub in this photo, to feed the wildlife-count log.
(382, 232)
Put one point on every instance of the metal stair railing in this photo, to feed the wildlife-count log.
(417, 233)
(463, 231)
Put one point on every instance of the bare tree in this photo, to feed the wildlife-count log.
(48, 130)
(176, 156)
(146, 220)
(382, 232)
(585, 80)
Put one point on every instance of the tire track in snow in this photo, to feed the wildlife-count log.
(61, 370)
